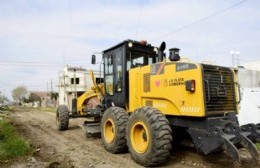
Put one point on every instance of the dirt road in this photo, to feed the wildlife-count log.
(71, 148)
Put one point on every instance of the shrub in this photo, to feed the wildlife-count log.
(258, 146)
(11, 143)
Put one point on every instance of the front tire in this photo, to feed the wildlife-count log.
(113, 129)
(62, 118)
(149, 137)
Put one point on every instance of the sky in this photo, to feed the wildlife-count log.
(39, 37)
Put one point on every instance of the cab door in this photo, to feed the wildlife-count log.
(114, 78)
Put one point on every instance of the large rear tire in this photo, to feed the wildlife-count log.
(62, 118)
(149, 137)
(113, 129)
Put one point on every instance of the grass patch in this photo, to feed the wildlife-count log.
(48, 109)
(11, 143)
(258, 146)
(5, 108)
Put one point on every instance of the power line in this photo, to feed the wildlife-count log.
(28, 64)
(50, 61)
(139, 19)
(36, 64)
(70, 16)
(201, 19)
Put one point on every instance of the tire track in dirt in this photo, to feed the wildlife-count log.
(71, 148)
(40, 127)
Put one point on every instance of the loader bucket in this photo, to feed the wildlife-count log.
(225, 135)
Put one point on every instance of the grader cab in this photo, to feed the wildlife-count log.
(146, 97)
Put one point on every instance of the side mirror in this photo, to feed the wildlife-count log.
(93, 59)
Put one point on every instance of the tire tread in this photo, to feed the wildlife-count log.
(162, 132)
(63, 123)
(121, 121)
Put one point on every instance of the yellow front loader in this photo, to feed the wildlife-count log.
(87, 105)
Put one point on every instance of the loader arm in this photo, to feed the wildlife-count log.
(98, 88)
(85, 97)
(92, 97)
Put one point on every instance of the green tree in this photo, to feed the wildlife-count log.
(54, 95)
(34, 97)
(19, 93)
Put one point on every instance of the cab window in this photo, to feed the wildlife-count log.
(138, 59)
(109, 80)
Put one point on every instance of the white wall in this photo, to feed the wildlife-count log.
(249, 81)
(66, 89)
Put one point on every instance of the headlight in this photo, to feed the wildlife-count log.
(155, 49)
(130, 44)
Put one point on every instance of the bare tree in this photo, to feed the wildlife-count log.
(19, 93)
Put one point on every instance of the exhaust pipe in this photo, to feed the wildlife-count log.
(160, 51)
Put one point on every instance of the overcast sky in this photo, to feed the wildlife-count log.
(39, 37)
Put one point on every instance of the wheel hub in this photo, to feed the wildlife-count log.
(140, 137)
(109, 131)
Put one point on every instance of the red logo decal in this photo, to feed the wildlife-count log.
(157, 83)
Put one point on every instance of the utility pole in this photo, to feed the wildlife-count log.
(0, 97)
(47, 87)
(51, 86)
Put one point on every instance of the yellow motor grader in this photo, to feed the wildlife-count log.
(144, 99)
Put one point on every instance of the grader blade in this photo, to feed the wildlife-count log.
(92, 128)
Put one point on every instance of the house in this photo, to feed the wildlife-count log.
(74, 81)
(45, 99)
